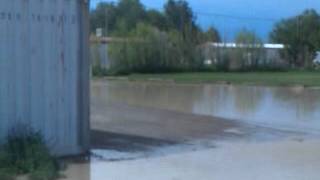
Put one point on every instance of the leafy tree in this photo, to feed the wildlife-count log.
(179, 15)
(147, 49)
(301, 35)
(249, 50)
(247, 37)
(131, 12)
(151, 40)
(157, 19)
(126, 14)
(104, 16)
(211, 35)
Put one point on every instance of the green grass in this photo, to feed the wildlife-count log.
(254, 78)
(25, 153)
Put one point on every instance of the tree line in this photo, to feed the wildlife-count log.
(121, 18)
(170, 40)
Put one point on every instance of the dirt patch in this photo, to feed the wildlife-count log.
(125, 143)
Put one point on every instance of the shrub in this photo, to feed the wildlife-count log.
(99, 71)
(147, 49)
(25, 153)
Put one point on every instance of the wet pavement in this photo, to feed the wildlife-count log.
(242, 161)
(164, 131)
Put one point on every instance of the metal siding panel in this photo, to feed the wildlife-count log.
(11, 65)
(54, 74)
(43, 70)
(63, 109)
(73, 34)
(21, 65)
(50, 83)
(37, 67)
(83, 78)
(3, 62)
(70, 67)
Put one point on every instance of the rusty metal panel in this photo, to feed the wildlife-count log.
(44, 71)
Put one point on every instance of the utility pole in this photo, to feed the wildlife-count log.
(106, 23)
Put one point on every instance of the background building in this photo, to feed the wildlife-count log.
(241, 56)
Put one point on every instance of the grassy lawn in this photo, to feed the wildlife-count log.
(259, 78)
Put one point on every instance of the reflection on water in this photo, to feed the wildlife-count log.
(289, 107)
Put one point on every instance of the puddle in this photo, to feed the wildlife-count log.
(154, 131)
(283, 107)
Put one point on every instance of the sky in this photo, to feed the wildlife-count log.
(230, 16)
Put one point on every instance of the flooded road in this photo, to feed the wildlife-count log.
(287, 160)
(165, 131)
(280, 107)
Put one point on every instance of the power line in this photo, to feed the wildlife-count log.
(235, 17)
(214, 14)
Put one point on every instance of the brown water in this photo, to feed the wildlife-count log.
(295, 108)
(140, 126)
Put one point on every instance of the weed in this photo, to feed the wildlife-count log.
(25, 153)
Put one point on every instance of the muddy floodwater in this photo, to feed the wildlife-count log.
(167, 131)
(281, 107)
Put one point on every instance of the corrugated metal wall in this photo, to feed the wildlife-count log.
(44, 71)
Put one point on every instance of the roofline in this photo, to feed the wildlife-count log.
(235, 45)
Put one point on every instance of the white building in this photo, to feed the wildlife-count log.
(234, 45)
(237, 56)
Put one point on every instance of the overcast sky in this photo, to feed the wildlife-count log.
(266, 12)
